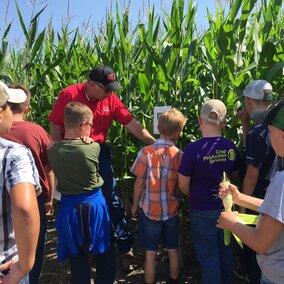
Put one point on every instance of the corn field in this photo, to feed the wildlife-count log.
(165, 61)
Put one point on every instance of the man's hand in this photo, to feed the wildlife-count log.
(50, 145)
(242, 115)
(134, 210)
(48, 208)
(87, 139)
(140, 132)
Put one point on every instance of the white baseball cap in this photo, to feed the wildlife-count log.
(16, 96)
(255, 90)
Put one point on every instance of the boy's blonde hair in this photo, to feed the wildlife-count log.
(75, 113)
(170, 122)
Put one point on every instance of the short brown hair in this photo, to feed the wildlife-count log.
(75, 113)
(20, 108)
(170, 122)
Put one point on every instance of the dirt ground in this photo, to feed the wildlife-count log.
(54, 272)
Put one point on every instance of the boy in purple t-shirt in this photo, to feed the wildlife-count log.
(200, 174)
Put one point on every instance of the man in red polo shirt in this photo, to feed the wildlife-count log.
(98, 94)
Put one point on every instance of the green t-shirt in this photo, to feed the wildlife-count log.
(75, 165)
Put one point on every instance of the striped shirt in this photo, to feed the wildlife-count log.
(158, 165)
(16, 166)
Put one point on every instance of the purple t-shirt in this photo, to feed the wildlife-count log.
(204, 161)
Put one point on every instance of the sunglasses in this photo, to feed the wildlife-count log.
(102, 86)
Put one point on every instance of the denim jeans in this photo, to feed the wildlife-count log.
(152, 232)
(216, 259)
(110, 192)
(35, 272)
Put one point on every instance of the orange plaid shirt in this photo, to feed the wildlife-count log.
(158, 165)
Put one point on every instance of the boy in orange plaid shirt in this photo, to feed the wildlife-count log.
(156, 169)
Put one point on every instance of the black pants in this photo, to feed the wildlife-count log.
(249, 261)
(105, 270)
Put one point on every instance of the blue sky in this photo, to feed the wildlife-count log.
(80, 11)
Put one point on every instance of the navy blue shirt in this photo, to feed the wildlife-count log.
(260, 154)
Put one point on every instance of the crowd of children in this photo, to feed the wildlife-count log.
(162, 171)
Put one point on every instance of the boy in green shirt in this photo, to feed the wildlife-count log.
(82, 221)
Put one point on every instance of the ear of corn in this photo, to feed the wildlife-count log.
(228, 200)
(228, 203)
(246, 219)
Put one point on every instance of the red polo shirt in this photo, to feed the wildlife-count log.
(105, 111)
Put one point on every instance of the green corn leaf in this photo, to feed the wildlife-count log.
(32, 34)
(248, 5)
(22, 22)
(239, 242)
(72, 46)
(234, 9)
(3, 51)
(38, 45)
(143, 83)
(150, 37)
(270, 16)
(257, 45)
(46, 71)
(122, 35)
(276, 68)
(4, 46)
(227, 237)
(33, 28)
(6, 31)
(247, 219)
(38, 14)
(156, 31)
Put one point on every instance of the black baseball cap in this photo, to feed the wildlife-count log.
(105, 76)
